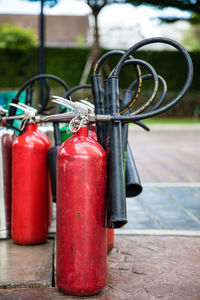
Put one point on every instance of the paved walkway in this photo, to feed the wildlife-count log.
(165, 207)
(166, 155)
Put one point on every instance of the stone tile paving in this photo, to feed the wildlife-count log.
(166, 156)
(139, 268)
(176, 208)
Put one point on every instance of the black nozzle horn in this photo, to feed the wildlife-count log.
(133, 183)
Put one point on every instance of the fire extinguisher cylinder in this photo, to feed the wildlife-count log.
(29, 188)
(81, 206)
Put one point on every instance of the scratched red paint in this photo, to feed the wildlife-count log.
(81, 205)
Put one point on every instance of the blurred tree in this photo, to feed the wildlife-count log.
(96, 6)
(192, 35)
(95, 52)
(17, 37)
(191, 38)
(188, 5)
(192, 6)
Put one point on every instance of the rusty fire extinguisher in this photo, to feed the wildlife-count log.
(81, 206)
(30, 216)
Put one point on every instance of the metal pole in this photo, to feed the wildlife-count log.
(41, 51)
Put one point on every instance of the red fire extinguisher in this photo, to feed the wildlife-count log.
(81, 206)
(30, 187)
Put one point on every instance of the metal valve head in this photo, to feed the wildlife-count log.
(29, 107)
(60, 102)
(29, 111)
(77, 107)
(68, 104)
(88, 104)
(85, 108)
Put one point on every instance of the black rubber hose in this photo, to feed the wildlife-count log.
(97, 93)
(100, 63)
(15, 100)
(99, 105)
(155, 89)
(132, 180)
(29, 94)
(161, 80)
(116, 209)
(116, 214)
(105, 56)
(46, 98)
(76, 88)
(180, 95)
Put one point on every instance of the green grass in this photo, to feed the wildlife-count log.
(173, 121)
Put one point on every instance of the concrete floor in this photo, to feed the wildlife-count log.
(141, 266)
